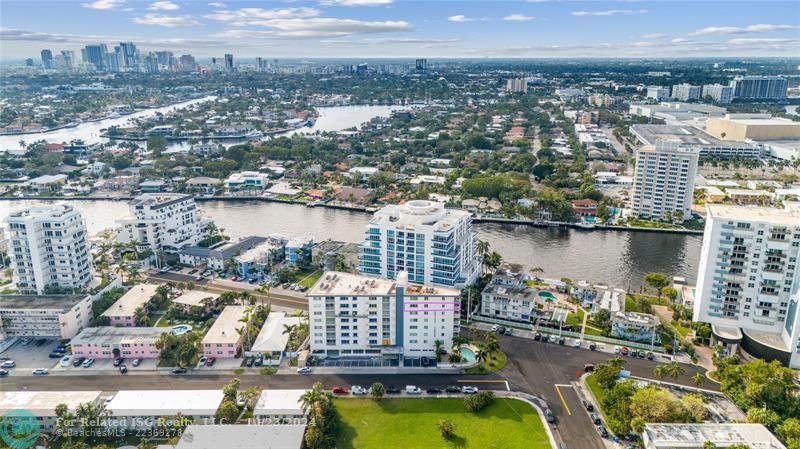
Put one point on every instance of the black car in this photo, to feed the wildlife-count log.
(179, 370)
(589, 406)
(588, 368)
(3, 372)
(501, 330)
(118, 361)
(537, 337)
(549, 416)
(123, 369)
(56, 355)
(78, 361)
(561, 341)
(634, 353)
(602, 431)
(596, 419)
(393, 390)
(650, 356)
(641, 354)
(452, 389)
(249, 362)
(592, 346)
(433, 390)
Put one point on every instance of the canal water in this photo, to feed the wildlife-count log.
(616, 258)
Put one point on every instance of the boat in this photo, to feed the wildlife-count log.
(584, 225)
(254, 134)
(312, 204)
(310, 122)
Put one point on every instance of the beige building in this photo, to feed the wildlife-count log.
(752, 126)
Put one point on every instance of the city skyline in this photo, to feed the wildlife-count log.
(397, 28)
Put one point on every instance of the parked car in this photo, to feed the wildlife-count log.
(596, 418)
(553, 338)
(259, 361)
(358, 390)
(617, 349)
(501, 330)
(3, 372)
(469, 389)
(179, 370)
(602, 431)
(624, 350)
(650, 356)
(78, 361)
(589, 406)
(123, 369)
(41, 372)
(634, 353)
(577, 343)
(163, 270)
(66, 360)
(588, 368)
(561, 341)
(452, 389)
(592, 346)
(304, 370)
(211, 361)
(136, 362)
(433, 390)
(641, 354)
(54, 355)
(339, 390)
(537, 337)
(203, 361)
(495, 328)
(249, 362)
(509, 331)
(118, 361)
(88, 362)
(8, 364)
(549, 416)
(413, 389)
(392, 390)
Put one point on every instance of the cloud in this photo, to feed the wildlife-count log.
(653, 36)
(356, 2)
(317, 27)
(166, 21)
(644, 44)
(163, 6)
(610, 12)
(217, 5)
(257, 16)
(742, 41)
(103, 4)
(757, 28)
(460, 18)
(518, 18)
(11, 34)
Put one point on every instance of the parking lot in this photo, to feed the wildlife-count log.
(106, 365)
(357, 362)
(31, 355)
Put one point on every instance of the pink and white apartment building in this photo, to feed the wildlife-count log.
(123, 312)
(113, 342)
(223, 339)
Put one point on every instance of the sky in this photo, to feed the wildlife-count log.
(408, 28)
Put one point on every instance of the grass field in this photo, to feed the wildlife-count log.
(412, 424)
(598, 391)
(495, 362)
(307, 278)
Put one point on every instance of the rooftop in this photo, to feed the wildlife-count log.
(685, 135)
(635, 318)
(420, 213)
(336, 283)
(43, 403)
(165, 402)
(43, 302)
(46, 211)
(787, 216)
(271, 337)
(225, 251)
(242, 437)
(134, 298)
(194, 298)
(224, 328)
(108, 335)
(696, 435)
(279, 402)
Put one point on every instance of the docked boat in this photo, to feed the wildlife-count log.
(585, 225)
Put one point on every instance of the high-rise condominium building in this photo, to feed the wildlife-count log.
(748, 282)
(760, 87)
(47, 59)
(163, 222)
(128, 54)
(686, 92)
(96, 54)
(49, 249)
(353, 315)
(229, 63)
(433, 245)
(719, 93)
(658, 93)
(68, 56)
(517, 85)
(663, 181)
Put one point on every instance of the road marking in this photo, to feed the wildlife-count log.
(566, 407)
(468, 381)
(564, 385)
(508, 387)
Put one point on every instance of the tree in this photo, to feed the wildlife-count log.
(660, 371)
(698, 378)
(230, 391)
(228, 412)
(606, 375)
(675, 370)
(250, 395)
(482, 247)
(657, 280)
(670, 293)
(377, 390)
(789, 431)
(446, 428)
(478, 401)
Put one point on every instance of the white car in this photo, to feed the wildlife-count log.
(304, 370)
(577, 343)
(40, 371)
(88, 362)
(617, 349)
(8, 364)
(66, 360)
(358, 390)
(411, 389)
(495, 327)
(469, 390)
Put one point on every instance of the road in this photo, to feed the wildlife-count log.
(276, 298)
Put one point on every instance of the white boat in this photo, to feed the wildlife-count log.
(254, 134)
(584, 225)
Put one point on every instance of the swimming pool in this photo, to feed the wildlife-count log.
(180, 329)
(548, 296)
(467, 354)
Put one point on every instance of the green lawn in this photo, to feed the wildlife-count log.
(684, 331)
(412, 424)
(307, 278)
(496, 362)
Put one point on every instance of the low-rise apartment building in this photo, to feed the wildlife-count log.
(113, 342)
(42, 404)
(141, 409)
(47, 316)
(279, 407)
(700, 436)
(633, 326)
(223, 339)
(123, 311)
(354, 315)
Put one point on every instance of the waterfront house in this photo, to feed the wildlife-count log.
(586, 208)
(215, 258)
(203, 184)
(633, 326)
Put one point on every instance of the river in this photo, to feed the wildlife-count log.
(613, 257)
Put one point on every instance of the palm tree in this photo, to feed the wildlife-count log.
(675, 370)
(660, 371)
(247, 298)
(698, 378)
(482, 247)
(617, 362)
(264, 289)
